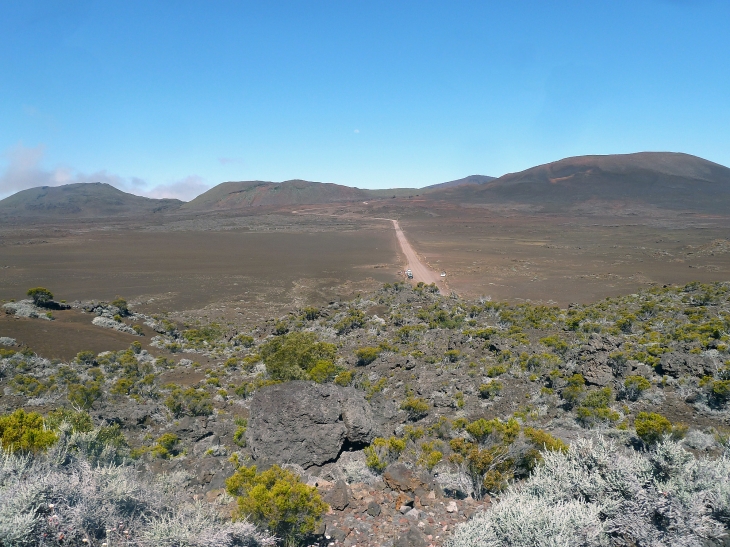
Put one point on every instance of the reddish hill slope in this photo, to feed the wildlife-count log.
(663, 179)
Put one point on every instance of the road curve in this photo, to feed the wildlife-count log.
(421, 272)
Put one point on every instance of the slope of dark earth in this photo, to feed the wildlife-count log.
(95, 199)
(470, 180)
(660, 179)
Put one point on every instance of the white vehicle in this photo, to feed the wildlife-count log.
(443, 274)
(409, 274)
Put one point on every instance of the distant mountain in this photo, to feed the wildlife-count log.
(470, 180)
(81, 200)
(662, 179)
(239, 195)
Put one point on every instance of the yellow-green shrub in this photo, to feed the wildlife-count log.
(277, 500)
(25, 432)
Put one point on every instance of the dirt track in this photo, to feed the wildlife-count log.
(420, 271)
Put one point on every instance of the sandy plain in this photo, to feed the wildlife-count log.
(241, 269)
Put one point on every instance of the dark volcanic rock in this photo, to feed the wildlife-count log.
(413, 538)
(339, 497)
(678, 364)
(307, 424)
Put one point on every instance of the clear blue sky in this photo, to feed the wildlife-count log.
(166, 98)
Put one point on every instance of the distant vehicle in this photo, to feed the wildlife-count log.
(409, 274)
(443, 274)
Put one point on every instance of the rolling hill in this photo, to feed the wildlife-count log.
(239, 195)
(470, 180)
(661, 179)
(81, 200)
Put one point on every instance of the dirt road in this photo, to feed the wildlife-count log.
(421, 272)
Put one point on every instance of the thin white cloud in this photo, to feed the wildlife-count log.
(185, 189)
(24, 170)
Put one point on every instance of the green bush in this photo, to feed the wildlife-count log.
(40, 295)
(491, 389)
(344, 378)
(382, 452)
(277, 500)
(86, 358)
(25, 432)
(651, 427)
(121, 303)
(190, 401)
(575, 389)
(416, 407)
(203, 336)
(166, 446)
(634, 386)
(366, 355)
(354, 319)
(84, 395)
(324, 371)
(292, 356)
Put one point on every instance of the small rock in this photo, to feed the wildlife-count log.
(339, 497)
(414, 538)
(413, 514)
(373, 509)
(452, 507)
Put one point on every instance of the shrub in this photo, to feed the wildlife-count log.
(366, 355)
(191, 401)
(84, 395)
(651, 427)
(496, 370)
(277, 500)
(575, 389)
(452, 355)
(344, 378)
(491, 389)
(86, 358)
(203, 336)
(382, 452)
(324, 371)
(239, 436)
(597, 494)
(354, 319)
(634, 386)
(292, 356)
(416, 407)
(121, 303)
(594, 409)
(40, 295)
(166, 446)
(70, 497)
(25, 432)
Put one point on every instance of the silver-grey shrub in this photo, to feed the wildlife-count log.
(598, 494)
(78, 494)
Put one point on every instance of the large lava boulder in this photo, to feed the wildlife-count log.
(308, 424)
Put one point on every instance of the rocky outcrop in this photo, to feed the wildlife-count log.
(678, 364)
(308, 424)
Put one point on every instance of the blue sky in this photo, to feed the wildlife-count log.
(168, 98)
